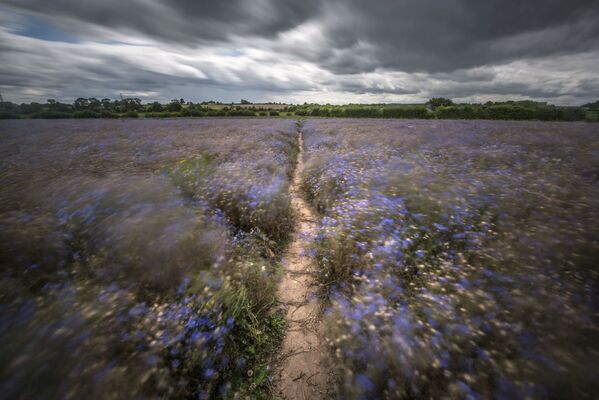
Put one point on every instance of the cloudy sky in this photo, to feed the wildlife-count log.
(336, 51)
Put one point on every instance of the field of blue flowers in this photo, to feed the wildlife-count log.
(459, 259)
(139, 258)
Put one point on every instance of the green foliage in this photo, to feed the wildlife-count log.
(155, 107)
(86, 114)
(50, 114)
(164, 114)
(8, 115)
(439, 108)
(108, 114)
(592, 116)
(592, 106)
(131, 114)
(174, 106)
(523, 110)
(439, 102)
(240, 113)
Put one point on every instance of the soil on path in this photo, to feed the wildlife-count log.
(303, 370)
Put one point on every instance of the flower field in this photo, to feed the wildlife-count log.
(459, 258)
(455, 259)
(139, 258)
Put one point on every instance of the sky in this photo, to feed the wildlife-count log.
(338, 51)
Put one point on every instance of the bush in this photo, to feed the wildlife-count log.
(86, 114)
(240, 113)
(439, 102)
(52, 114)
(108, 114)
(131, 114)
(163, 114)
(8, 115)
(174, 106)
(216, 113)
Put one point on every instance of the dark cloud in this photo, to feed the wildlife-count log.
(424, 35)
(182, 21)
(513, 89)
(279, 48)
(438, 36)
(362, 87)
(365, 89)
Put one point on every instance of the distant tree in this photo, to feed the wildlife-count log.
(155, 107)
(30, 108)
(10, 110)
(441, 108)
(133, 104)
(439, 102)
(106, 104)
(94, 103)
(80, 104)
(127, 104)
(57, 106)
(174, 106)
(592, 106)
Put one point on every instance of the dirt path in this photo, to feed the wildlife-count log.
(302, 360)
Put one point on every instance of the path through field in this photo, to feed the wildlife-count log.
(302, 361)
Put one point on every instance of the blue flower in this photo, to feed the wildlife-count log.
(364, 383)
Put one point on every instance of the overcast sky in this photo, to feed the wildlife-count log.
(335, 51)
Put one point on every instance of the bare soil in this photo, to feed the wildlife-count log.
(302, 361)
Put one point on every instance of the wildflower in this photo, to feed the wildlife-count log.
(209, 373)
(364, 383)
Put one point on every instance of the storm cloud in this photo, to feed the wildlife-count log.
(281, 50)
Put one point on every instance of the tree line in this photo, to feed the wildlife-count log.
(436, 108)
(439, 108)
